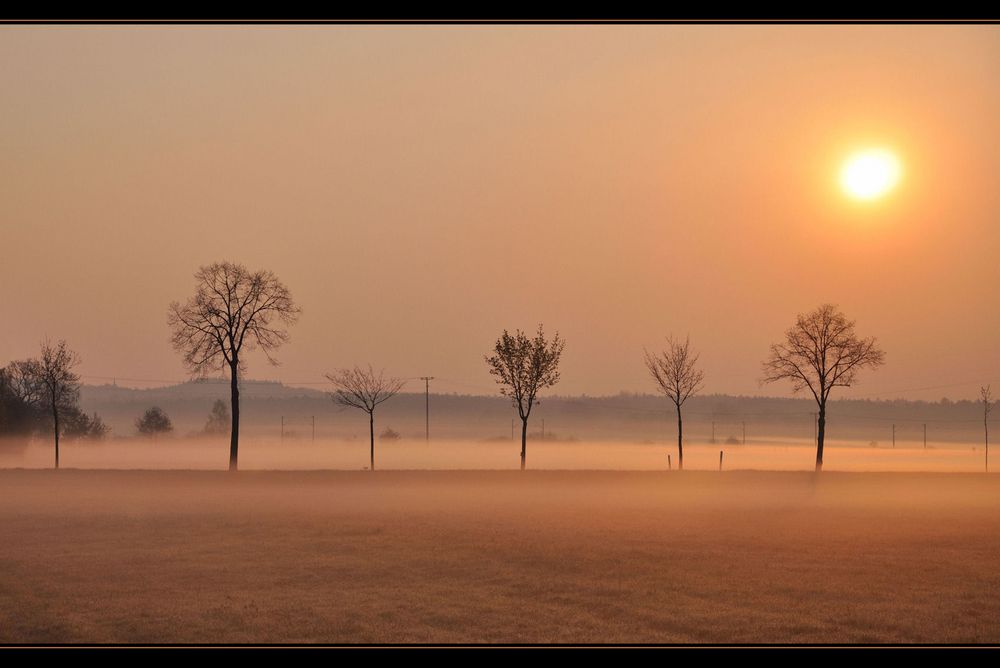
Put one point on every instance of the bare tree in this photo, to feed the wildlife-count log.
(987, 397)
(361, 388)
(21, 380)
(821, 352)
(233, 311)
(675, 372)
(20, 399)
(522, 366)
(60, 386)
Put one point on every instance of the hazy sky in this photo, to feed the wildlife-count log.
(419, 189)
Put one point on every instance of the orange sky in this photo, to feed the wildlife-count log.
(421, 188)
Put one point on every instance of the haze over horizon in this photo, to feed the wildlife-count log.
(421, 188)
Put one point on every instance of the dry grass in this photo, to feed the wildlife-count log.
(745, 557)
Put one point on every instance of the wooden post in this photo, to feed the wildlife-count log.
(670, 464)
(720, 460)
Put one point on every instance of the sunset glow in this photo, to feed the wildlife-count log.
(870, 174)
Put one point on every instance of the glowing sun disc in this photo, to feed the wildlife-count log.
(870, 174)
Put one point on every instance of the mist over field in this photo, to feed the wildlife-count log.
(340, 455)
(498, 556)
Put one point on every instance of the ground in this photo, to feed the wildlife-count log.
(498, 556)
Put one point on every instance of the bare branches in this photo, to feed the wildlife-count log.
(675, 370)
(232, 310)
(21, 378)
(362, 388)
(820, 352)
(523, 366)
(54, 372)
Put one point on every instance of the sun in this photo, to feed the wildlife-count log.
(870, 174)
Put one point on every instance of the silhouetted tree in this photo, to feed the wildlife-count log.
(360, 388)
(522, 366)
(60, 386)
(26, 403)
(153, 422)
(20, 399)
(678, 378)
(233, 311)
(987, 397)
(219, 419)
(821, 352)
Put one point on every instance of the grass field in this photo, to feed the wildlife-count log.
(498, 556)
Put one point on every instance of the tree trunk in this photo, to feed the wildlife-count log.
(524, 440)
(820, 432)
(234, 434)
(55, 421)
(371, 432)
(680, 440)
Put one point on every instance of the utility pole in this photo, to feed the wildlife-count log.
(987, 407)
(427, 404)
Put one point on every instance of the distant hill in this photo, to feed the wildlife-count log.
(621, 417)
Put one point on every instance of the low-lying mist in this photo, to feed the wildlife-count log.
(258, 453)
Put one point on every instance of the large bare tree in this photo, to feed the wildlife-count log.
(364, 389)
(522, 366)
(675, 372)
(233, 311)
(821, 352)
(59, 385)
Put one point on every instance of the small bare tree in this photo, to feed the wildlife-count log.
(678, 377)
(60, 386)
(22, 381)
(987, 397)
(20, 398)
(522, 366)
(362, 388)
(821, 352)
(233, 310)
